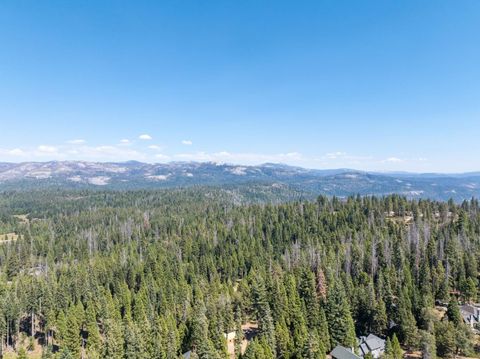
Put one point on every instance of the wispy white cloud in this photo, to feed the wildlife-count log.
(13, 152)
(47, 149)
(75, 152)
(145, 137)
(342, 156)
(241, 158)
(394, 160)
(16, 152)
(187, 142)
(113, 153)
(127, 149)
(76, 142)
(335, 155)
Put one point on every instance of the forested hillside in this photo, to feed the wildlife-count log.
(155, 274)
(275, 181)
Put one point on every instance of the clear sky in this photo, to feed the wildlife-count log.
(372, 85)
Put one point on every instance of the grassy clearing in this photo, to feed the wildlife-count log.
(30, 355)
(36, 353)
(439, 312)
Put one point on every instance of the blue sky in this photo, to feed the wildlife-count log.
(373, 85)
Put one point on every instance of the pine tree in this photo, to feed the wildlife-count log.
(157, 340)
(463, 341)
(199, 325)
(445, 339)
(254, 351)
(201, 341)
(340, 322)
(47, 352)
(315, 349)
(13, 266)
(407, 323)
(22, 354)
(94, 341)
(397, 352)
(239, 336)
(428, 345)
(308, 294)
(263, 312)
(380, 320)
(66, 354)
(61, 327)
(71, 337)
(323, 331)
(113, 344)
(388, 349)
(283, 340)
(113, 331)
(258, 349)
(143, 323)
(470, 291)
(443, 288)
(134, 343)
(453, 313)
(206, 350)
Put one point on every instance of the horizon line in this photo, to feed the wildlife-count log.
(247, 165)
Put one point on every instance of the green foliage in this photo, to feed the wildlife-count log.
(407, 322)
(315, 348)
(340, 322)
(22, 354)
(453, 313)
(445, 339)
(94, 342)
(397, 352)
(258, 349)
(71, 336)
(47, 352)
(151, 274)
(470, 289)
(463, 340)
(388, 349)
(380, 319)
(428, 345)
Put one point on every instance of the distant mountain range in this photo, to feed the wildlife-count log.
(277, 177)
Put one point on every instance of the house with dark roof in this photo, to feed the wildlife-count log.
(340, 352)
(371, 344)
(470, 314)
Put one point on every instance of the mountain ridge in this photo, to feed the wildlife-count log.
(139, 175)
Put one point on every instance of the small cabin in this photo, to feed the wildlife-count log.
(340, 352)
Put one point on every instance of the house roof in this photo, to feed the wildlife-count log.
(392, 324)
(187, 354)
(370, 344)
(364, 348)
(340, 352)
(468, 309)
(374, 342)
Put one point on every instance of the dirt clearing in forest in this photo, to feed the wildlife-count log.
(8, 237)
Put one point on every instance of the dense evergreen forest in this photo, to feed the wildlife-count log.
(155, 274)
